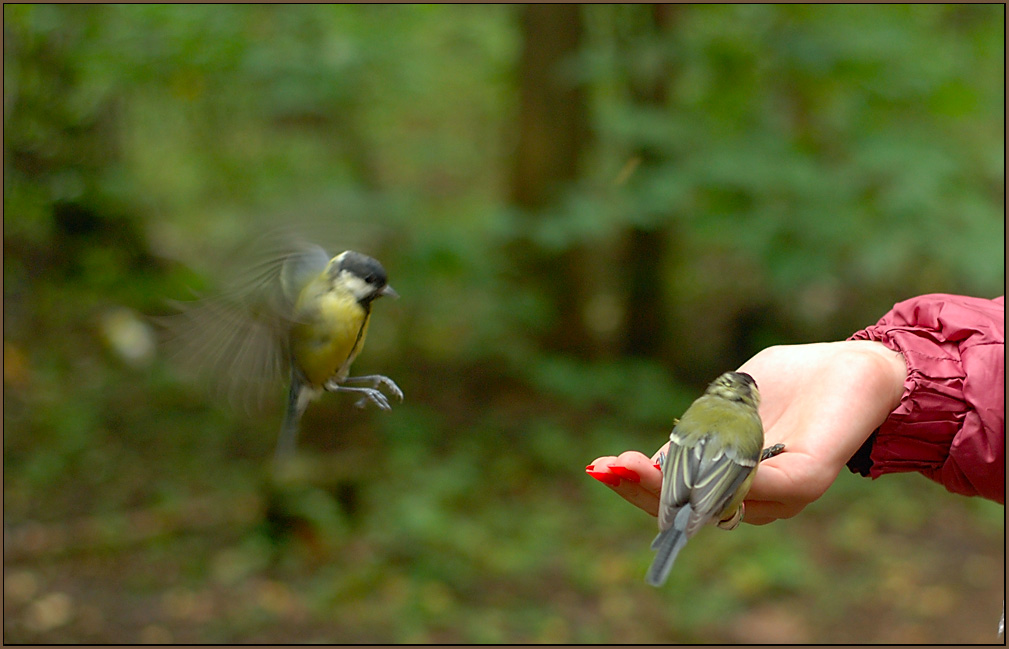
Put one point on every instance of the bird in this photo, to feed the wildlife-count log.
(293, 310)
(714, 450)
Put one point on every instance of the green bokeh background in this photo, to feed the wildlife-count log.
(729, 177)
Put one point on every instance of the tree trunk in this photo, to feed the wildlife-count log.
(552, 133)
(645, 323)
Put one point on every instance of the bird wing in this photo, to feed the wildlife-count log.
(679, 472)
(702, 477)
(702, 473)
(299, 268)
(238, 336)
(719, 475)
(242, 353)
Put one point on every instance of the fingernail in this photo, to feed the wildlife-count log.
(657, 466)
(625, 473)
(590, 467)
(605, 477)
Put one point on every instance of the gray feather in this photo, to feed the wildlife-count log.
(667, 546)
(300, 267)
(298, 398)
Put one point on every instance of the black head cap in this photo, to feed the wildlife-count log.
(365, 267)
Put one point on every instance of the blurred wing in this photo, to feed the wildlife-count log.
(272, 270)
(299, 268)
(241, 350)
(237, 337)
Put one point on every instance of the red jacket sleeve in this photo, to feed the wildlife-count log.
(950, 423)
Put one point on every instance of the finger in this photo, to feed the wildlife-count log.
(793, 479)
(631, 466)
(770, 483)
(793, 476)
(640, 498)
(762, 512)
(605, 460)
(771, 495)
(644, 467)
(635, 479)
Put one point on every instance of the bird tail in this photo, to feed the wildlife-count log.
(297, 400)
(667, 545)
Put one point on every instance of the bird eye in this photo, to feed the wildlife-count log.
(370, 278)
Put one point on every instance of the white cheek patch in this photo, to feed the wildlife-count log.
(357, 286)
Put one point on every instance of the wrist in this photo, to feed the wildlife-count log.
(890, 370)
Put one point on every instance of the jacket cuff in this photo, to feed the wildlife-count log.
(917, 435)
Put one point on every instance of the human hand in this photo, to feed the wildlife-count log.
(822, 401)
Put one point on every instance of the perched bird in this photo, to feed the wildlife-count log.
(297, 311)
(713, 454)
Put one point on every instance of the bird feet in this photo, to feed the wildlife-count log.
(771, 451)
(370, 394)
(732, 522)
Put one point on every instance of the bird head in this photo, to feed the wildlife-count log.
(362, 275)
(736, 386)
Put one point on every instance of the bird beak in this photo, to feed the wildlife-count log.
(388, 291)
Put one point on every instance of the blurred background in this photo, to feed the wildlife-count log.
(590, 212)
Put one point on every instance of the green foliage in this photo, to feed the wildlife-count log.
(807, 165)
(815, 138)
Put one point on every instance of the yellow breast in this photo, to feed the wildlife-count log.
(328, 335)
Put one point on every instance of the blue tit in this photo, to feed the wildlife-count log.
(298, 312)
(713, 454)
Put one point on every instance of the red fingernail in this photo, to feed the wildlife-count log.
(625, 473)
(657, 466)
(590, 467)
(605, 477)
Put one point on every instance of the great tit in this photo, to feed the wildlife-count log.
(297, 311)
(713, 454)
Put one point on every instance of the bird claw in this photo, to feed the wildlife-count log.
(370, 394)
(771, 451)
(390, 385)
(374, 396)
